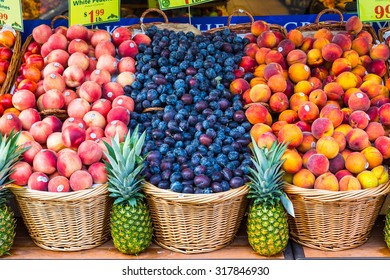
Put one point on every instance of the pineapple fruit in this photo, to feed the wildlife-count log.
(131, 224)
(387, 229)
(267, 225)
(9, 155)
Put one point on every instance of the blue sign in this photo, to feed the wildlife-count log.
(206, 23)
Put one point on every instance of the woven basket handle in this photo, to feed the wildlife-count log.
(56, 18)
(329, 11)
(141, 19)
(239, 11)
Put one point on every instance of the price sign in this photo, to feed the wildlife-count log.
(174, 4)
(11, 14)
(374, 10)
(88, 12)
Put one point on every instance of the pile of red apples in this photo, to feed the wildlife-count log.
(81, 72)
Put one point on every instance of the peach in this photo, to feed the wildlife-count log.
(94, 133)
(273, 56)
(304, 179)
(258, 129)
(333, 90)
(105, 47)
(79, 59)
(60, 56)
(317, 164)
(373, 114)
(326, 181)
(349, 183)
(359, 119)
(116, 127)
(361, 46)
(74, 121)
(384, 114)
(343, 41)
(99, 35)
(23, 99)
(373, 156)
(277, 83)
(307, 44)
(256, 113)
(238, 86)
(52, 67)
(314, 58)
(322, 127)
(340, 65)
(359, 70)
(53, 99)
(41, 33)
(266, 140)
(260, 93)
(285, 47)
(38, 181)
(33, 148)
(359, 101)
(296, 37)
(276, 126)
(379, 100)
(126, 64)
(89, 152)
(278, 102)
(382, 173)
(304, 126)
(318, 97)
(308, 142)
(24, 137)
(297, 99)
(261, 54)
(330, 52)
(356, 162)
(123, 101)
(319, 43)
(54, 122)
(303, 86)
(352, 56)
(367, 179)
(78, 107)
(251, 49)
(77, 31)
(21, 174)
(336, 164)
(374, 130)
(258, 72)
(307, 155)
(296, 56)
(323, 33)
(54, 142)
(357, 139)
(380, 51)
(364, 60)
(103, 106)
(298, 72)
(327, 146)
(107, 62)
(80, 180)
(45, 161)
(378, 67)
(267, 39)
(120, 34)
(308, 112)
(90, 91)
(333, 113)
(100, 76)
(290, 133)
(353, 25)
(9, 122)
(382, 143)
(54, 81)
(69, 95)
(119, 114)
(59, 184)
(94, 118)
(371, 88)
(28, 117)
(40, 131)
(73, 136)
(340, 139)
(57, 41)
(289, 116)
(320, 73)
(98, 173)
(258, 27)
(342, 173)
(78, 45)
(292, 161)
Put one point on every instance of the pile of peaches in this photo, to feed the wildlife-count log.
(82, 73)
(327, 95)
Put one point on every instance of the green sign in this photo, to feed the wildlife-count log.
(374, 10)
(174, 4)
(11, 14)
(88, 12)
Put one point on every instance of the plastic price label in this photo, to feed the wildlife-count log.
(89, 12)
(374, 10)
(11, 14)
(174, 4)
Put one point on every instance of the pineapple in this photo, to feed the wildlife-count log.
(131, 224)
(267, 219)
(9, 155)
(387, 229)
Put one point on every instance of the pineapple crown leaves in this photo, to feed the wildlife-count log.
(125, 166)
(266, 178)
(10, 155)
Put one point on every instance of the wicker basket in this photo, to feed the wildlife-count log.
(244, 28)
(195, 223)
(334, 221)
(334, 26)
(71, 221)
(16, 61)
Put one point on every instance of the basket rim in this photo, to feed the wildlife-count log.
(189, 198)
(337, 196)
(22, 191)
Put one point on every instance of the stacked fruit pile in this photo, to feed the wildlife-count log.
(197, 134)
(81, 72)
(325, 95)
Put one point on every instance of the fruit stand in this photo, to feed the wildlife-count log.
(159, 141)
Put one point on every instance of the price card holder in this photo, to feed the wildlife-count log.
(174, 4)
(11, 14)
(374, 10)
(89, 12)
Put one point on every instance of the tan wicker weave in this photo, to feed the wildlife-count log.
(16, 61)
(195, 223)
(71, 221)
(334, 221)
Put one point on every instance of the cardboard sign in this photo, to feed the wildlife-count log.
(175, 4)
(89, 12)
(11, 14)
(373, 10)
